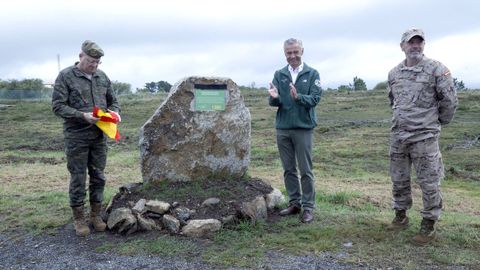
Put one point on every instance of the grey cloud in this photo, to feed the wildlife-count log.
(37, 37)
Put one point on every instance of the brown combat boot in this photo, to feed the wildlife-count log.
(96, 217)
(399, 222)
(427, 233)
(81, 228)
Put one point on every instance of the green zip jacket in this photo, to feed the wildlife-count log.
(74, 94)
(300, 113)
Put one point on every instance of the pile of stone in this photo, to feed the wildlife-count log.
(148, 215)
(202, 128)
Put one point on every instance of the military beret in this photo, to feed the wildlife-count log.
(92, 49)
(410, 33)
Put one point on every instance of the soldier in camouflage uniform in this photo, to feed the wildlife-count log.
(423, 99)
(77, 90)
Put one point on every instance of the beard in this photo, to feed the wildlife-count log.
(415, 55)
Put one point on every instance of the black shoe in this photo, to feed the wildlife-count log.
(290, 210)
(307, 216)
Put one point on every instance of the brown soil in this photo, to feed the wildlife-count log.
(232, 193)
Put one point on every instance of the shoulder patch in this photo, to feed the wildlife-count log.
(317, 83)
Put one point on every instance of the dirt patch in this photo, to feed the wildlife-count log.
(231, 192)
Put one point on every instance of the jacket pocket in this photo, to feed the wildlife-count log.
(76, 99)
(426, 97)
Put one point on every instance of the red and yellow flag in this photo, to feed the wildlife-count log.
(108, 122)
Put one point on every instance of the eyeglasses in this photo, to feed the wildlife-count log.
(93, 62)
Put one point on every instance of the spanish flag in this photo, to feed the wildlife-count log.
(108, 122)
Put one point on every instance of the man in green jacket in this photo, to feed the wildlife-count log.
(296, 90)
(77, 90)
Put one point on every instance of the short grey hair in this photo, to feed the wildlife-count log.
(292, 41)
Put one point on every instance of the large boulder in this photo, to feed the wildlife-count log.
(184, 142)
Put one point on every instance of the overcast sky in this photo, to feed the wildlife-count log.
(148, 41)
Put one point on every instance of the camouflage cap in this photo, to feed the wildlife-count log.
(92, 49)
(410, 33)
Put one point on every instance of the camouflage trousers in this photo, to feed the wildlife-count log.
(426, 158)
(83, 154)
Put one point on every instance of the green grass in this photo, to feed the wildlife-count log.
(36, 212)
(353, 186)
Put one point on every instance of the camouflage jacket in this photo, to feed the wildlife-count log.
(74, 94)
(422, 98)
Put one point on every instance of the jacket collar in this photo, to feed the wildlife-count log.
(80, 73)
(306, 69)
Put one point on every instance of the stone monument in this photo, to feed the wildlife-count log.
(202, 129)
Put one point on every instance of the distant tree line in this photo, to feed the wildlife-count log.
(24, 89)
(121, 88)
(25, 84)
(38, 84)
(458, 85)
(251, 86)
(357, 84)
(36, 88)
(155, 87)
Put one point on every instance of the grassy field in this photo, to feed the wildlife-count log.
(352, 181)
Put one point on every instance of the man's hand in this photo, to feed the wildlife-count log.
(116, 114)
(273, 91)
(293, 91)
(90, 118)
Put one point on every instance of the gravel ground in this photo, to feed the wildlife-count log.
(65, 250)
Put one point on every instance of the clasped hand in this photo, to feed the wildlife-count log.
(273, 91)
